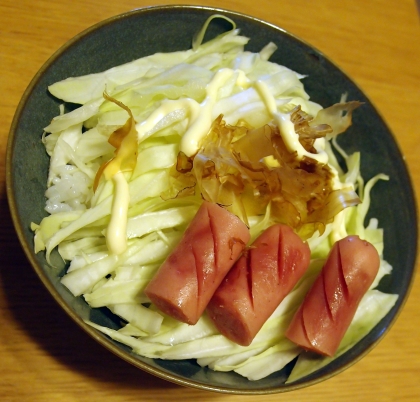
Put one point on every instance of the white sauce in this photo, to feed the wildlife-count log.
(287, 128)
(338, 231)
(336, 183)
(199, 128)
(190, 105)
(116, 233)
(200, 114)
(267, 97)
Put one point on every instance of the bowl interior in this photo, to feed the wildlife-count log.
(140, 33)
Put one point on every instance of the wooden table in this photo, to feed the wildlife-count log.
(44, 356)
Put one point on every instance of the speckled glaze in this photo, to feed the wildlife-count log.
(157, 29)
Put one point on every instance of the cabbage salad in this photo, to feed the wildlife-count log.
(154, 137)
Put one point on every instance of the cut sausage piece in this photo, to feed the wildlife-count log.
(190, 275)
(323, 318)
(258, 282)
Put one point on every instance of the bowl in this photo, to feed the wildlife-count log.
(139, 33)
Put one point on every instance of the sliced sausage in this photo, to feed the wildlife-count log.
(324, 316)
(188, 278)
(258, 282)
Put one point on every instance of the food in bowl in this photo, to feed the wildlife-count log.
(217, 124)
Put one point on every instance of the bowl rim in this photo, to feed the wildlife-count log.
(104, 341)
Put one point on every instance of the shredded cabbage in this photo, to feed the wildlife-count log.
(163, 106)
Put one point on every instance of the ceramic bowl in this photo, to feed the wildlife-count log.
(157, 29)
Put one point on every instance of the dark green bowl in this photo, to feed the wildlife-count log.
(169, 28)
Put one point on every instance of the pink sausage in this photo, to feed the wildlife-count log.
(191, 274)
(323, 318)
(258, 282)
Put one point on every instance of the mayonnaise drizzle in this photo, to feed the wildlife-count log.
(287, 128)
(338, 231)
(144, 129)
(198, 129)
(116, 233)
(200, 115)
